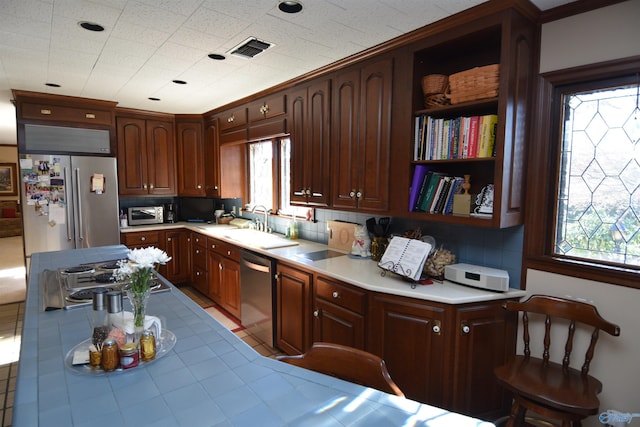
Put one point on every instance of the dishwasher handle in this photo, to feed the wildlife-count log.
(255, 266)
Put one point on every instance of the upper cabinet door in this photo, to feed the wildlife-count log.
(161, 157)
(309, 114)
(362, 136)
(375, 135)
(211, 159)
(132, 157)
(191, 179)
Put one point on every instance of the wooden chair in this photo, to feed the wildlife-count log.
(555, 391)
(347, 363)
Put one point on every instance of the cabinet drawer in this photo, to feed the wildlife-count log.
(267, 107)
(267, 129)
(43, 111)
(232, 136)
(199, 257)
(233, 119)
(340, 294)
(224, 249)
(199, 240)
(141, 238)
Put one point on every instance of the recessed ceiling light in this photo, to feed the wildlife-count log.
(52, 84)
(151, 98)
(91, 26)
(290, 6)
(217, 56)
(179, 82)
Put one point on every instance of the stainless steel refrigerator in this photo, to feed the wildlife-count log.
(69, 202)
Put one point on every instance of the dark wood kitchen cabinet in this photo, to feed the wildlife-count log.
(199, 263)
(233, 170)
(361, 136)
(177, 245)
(507, 40)
(211, 158)
(338, 313)
(146, 156)
(442, 354)
(232, 125)
(223, 265)
(267, 117)
(191, 158)
(409, 335)
(309, 114)
(293, 299)
(485, 337)
(140, 239)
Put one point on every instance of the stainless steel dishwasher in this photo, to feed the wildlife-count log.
(257, 287)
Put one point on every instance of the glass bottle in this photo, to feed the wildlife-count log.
(99, 323)
(147, 346)
(110, 357)
(116, 317)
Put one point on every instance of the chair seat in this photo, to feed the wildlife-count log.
(550, 386)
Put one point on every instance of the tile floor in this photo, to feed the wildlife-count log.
(11, 327)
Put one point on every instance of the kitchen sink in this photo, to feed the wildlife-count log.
(258, 239)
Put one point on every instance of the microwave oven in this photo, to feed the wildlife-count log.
(142, 215)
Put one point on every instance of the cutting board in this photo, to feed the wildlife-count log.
(341, 235)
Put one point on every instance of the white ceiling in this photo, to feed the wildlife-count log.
(148, 43)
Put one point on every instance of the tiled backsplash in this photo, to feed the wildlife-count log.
(496, 248)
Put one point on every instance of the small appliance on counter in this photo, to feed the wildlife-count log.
(170, 213)
(142, 215)
(491, 279)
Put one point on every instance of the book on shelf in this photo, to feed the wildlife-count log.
(419, 173)
(427, 197)
(487, 135)
(405, 257)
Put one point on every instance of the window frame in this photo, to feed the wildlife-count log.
(542, 175)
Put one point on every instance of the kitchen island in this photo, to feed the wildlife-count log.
(210, 377)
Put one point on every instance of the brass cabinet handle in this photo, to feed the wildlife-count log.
(90, 116)
(231, 118)
(45, 111)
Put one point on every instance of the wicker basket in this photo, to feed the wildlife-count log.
(476, 83)
(434, 83)
(436, 100)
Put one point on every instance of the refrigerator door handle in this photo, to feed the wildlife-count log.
(67, 204)
(79, 204)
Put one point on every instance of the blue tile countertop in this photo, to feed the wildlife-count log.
(210, 377)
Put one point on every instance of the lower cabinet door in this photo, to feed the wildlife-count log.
(409, 335)
(230, 286)
(293, 335)
(337, 325)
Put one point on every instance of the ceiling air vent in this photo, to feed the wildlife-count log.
(250, 48)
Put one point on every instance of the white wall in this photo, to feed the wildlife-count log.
(601, 35)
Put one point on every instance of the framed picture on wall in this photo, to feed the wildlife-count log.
(8, 179)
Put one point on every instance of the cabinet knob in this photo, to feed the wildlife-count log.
(215, 187)
(437, 327)
(335, 294)
(352, 193)
(199, 186)
(229, 253)
(168, 239)
(213, 246)
(144, 186)
(359, 194)
(197, 251)
(465, 328)
(197, 273)
(316, 313)
(231, 119)
(220, 266)
(143, 238)
(151, 186)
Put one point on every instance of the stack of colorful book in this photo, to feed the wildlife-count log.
(433, 191)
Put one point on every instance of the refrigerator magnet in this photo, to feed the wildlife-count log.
(97, 183)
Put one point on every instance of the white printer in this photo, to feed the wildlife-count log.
(491, 279)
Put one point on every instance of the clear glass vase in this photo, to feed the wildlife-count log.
(139, 306)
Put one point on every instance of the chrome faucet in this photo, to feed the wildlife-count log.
(266, 218)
